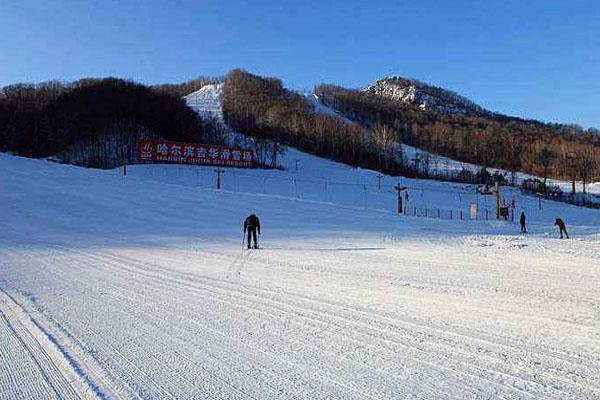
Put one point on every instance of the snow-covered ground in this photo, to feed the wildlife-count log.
(444, 165)
(307, 177)
(130, 287)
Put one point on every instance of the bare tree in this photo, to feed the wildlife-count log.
(384, 138)
(545, 159)
(569, 165)
(586, 166)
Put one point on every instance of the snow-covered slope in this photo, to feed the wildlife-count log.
(321, 108)
(311, 178)
(131, 287)
(207, 101)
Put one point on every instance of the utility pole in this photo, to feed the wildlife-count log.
(219, 171)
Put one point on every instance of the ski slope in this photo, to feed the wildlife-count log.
(309, 178)
(118, 286)
(207, 101)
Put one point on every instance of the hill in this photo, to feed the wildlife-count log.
(97, 122)
(455, 127)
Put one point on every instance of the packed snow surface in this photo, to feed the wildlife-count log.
(118, 286)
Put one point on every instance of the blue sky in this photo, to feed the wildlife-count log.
(537, 59)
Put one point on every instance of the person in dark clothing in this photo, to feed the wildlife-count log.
(522, 220)
(561, 225)
(252, 226)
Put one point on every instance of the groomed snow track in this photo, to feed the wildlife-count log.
(116, 288)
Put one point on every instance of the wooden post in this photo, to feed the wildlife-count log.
(497, 189)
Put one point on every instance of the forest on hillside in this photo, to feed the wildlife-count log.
(263, 108)
(514, 144)
(97, 122)
(93, 122)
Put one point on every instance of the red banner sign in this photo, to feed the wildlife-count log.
(189, 153)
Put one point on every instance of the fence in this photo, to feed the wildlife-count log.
(379, 195)
(448, 214)
(555, 191)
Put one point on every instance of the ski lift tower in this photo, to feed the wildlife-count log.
(399, 190)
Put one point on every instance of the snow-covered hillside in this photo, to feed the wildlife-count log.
(321, 108)
(118, 286)
(207, 101)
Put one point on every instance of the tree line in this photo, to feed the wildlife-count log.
(547, 150)
(261, 107)
(94, 122)
(187, 87)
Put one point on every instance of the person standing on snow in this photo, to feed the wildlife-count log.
(252, 225)
(561, 225)
(522, 222)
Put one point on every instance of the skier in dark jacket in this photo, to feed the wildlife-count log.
(561, 225)
(252, 225)
(522, 222)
